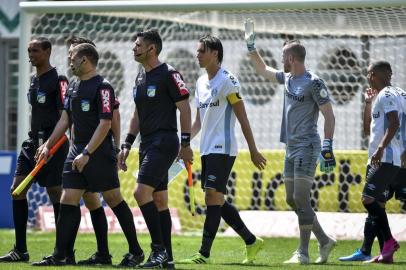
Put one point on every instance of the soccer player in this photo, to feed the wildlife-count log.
(91, 163)
(45, 95)
(159, 90)
(305, 95)
(219, 104)
(383, 114)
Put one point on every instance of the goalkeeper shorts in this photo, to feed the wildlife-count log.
(301, 160)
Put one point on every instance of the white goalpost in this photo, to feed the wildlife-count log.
(341, 38)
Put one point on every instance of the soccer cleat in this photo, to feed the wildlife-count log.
(252, 250)
(196, 259)
(326, 250)
(373, 260)
(169, 265)
(298, 258)
(70, 259)
(15, 256)
(131, 260)
(50, 260)
(157, 259)
(389, 248)
(357, 256)
(97, 259)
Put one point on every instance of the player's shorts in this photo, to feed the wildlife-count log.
(398, 187)
(301, 160)
(156, 155)
(51, 174)
(378, 181)
(216, 169)
(99, 174)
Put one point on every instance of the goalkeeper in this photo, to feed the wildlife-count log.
(305, 95)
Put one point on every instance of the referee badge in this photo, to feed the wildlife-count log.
(85, 105)
(151, 91)
(41, 97)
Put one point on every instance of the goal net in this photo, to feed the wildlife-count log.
(341, 39)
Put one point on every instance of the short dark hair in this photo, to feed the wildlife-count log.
(295, 48)
(381, 67)
(151, 36)
(213, 43)
(44, 42)
(79, 40)
(88, 50)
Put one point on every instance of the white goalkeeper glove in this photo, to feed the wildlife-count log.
(250, 34)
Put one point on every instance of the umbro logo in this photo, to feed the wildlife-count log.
(371, 186)
(211, 178)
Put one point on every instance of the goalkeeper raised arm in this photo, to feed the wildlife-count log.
(305, 95)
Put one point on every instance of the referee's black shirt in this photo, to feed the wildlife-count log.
(155, 94)
(46, 96)
(87, 102)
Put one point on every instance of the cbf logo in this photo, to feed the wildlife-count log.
(41, 97)
(151, 91)
(85, 105)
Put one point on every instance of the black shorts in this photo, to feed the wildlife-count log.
(51, 174)
(378, 181)
(216, 169)
(99, 174)
(398, 187)
(156, 155)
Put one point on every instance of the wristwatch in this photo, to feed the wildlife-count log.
(85, 152)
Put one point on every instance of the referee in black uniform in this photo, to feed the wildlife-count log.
(159, 90)
(46, 94)
(91, 163)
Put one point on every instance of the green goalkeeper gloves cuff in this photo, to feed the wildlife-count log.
(327, 159)
(250, 34)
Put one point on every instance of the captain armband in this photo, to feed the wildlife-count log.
(234, 98)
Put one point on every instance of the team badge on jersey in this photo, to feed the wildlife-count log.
(85, 105)
(214, 92)
(151, 90)
(41, 97)
(323, 92)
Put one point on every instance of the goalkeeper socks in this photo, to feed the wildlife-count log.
(66, 229)
(56, 207)
(100, 227)
(151, 216)
(126, 220)
(318, 231)
(369, 235)
(20, 217)
(381, 219)
(211, 225)
(231, 216)
(166, 231)
(305, 232)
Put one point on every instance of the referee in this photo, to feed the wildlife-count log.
(91, 163)
(45, 95)
(159, 90)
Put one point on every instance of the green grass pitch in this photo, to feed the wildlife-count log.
(227, 252)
